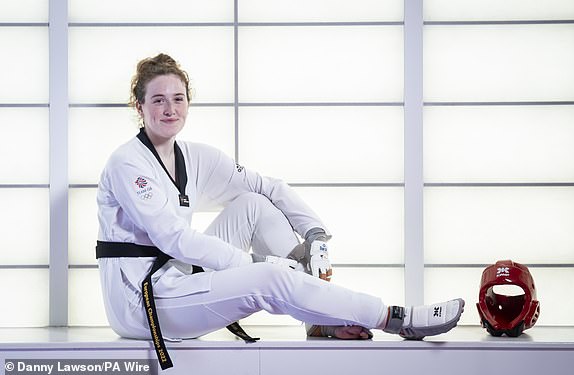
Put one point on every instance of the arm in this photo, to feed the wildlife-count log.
(147, 206)
(228, 180)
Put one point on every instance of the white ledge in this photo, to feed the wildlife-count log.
(286, 337)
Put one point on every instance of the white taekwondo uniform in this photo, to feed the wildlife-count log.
(139, 203)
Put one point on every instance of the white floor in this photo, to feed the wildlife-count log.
(286, 350)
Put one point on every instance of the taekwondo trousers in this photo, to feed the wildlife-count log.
(252, 221)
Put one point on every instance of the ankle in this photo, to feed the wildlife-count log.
(395, 319)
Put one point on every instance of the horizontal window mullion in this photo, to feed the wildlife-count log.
(475, 265)
(513, 103)
(24, 186)
(499, 184)
(24, 105)
(24, 24)
(240, 104)
(228, 24)
(498, 22)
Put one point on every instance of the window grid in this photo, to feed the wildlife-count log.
(237, 104)
(59, 206)
(535, 267)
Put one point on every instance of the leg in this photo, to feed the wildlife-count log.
(239, 292)
(252, 221)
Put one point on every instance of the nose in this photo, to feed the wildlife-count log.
(168, 109)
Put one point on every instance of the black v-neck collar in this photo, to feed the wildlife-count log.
(180, 171)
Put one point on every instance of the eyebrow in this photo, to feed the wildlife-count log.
(161, 95)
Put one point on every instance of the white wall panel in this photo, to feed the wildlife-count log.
(86, 307)
(320, 10)
(366, 223)
(212, 126)
(321, 64)
(323, 144)
(499, 144)
(25, 148)
(98, 75)
(25, 294)
(24, 68)
(151, 11)
(482, 225)
(24, 226)
(83, 226)
(386, 283)
(499, 63)
(94, 133)
(496, 10)
(24, 11)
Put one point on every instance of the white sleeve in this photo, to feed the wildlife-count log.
(148, 208)
(228, 180)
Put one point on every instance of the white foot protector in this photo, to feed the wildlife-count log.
(416, 322)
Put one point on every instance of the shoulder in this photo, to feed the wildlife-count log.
(199, 151)
(132, 153)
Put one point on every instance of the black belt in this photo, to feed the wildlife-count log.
(130, 250)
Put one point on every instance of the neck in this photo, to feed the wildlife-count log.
(163, 146)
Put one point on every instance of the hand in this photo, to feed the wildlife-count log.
(281, 261)
(319, 262)
(352, 333)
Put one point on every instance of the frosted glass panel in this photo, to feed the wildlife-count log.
(24, 226)
(320, 10)
(488, 10)
(447, 283)
(151, 11)
(24, 75)
(26, 294)
(24, 11)
(310, 64)
(366, 223)
(482, 225)
(552, 286)
(83, 226)
(94, 133)
(97, 76)
(323, 144)
(29, 125)
(86, 304)
(499, 144)
(212, 126)
(499, 63)
(386, 283)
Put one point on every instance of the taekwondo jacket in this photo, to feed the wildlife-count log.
(139, 203)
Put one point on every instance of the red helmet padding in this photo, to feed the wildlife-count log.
(502, 312)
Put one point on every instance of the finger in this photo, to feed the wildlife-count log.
(326, 275)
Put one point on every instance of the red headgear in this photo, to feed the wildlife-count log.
(502, 313)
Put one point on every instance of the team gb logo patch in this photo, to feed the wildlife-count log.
(143, 191)
(141, 182)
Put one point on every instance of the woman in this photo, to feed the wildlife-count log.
(147, 194)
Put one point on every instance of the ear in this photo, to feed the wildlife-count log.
(139, 108)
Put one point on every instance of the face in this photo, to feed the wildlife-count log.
(165, 108)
